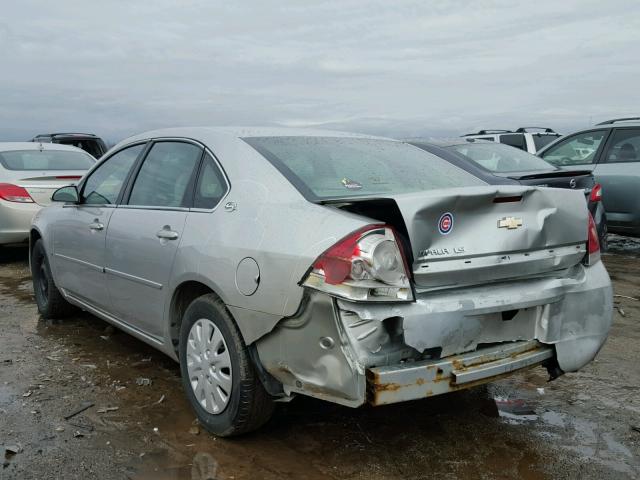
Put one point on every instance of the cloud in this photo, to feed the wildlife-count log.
(396, 68)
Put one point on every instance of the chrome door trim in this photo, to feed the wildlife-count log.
(110, 318)
(133, 278)
(81, 262)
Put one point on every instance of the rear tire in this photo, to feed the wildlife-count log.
(51, 303)
(217, 374)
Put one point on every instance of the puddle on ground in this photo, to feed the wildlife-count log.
(463, 435)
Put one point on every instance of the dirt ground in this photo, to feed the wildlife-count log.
(584, 425)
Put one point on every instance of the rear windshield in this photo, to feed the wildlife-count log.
(88, 145)
(501, 158)
(333, 167)
(543, 140)
(45, 160)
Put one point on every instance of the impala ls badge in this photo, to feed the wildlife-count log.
(510, 223)
(573, 183)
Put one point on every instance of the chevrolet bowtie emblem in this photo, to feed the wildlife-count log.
(510, 223)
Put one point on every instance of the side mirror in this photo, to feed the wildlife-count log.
(68, 194)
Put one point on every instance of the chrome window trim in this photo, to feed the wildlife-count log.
(152, 207)
(206, 150)
(226, 181)
(89, 205)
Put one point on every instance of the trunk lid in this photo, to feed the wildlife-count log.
(495, 233)
(475, 235)
(42, 186)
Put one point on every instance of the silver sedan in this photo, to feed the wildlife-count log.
(277, 262)
(29, 174)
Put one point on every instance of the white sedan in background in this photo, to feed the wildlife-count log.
(29, 174)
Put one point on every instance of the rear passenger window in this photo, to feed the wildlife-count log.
(515, 140)
(211, 185)
(625, 146)
(166, 174)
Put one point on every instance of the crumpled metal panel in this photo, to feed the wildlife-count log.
(413, 380)
(309, 354)
(325, 350)
(573, 312)
(477, 249)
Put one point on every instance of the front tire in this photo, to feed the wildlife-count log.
(217, 374)
(51, 303)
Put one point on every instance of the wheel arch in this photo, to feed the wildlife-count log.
(34, 236)
(183, 294)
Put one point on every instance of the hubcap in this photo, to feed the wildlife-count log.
(209, 366)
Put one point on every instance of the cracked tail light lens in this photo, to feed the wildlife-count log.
(593, 244)
(14, 193)
(366, 265)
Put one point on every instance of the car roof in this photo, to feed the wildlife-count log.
(447, 142)
(214, 134)
(67, 134)
(626, 121)
(13, 146)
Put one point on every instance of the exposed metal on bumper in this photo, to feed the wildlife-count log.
(411, 381)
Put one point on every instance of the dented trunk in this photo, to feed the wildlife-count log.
(475, 235)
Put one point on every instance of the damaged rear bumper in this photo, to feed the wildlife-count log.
(411, 381)
(351, 353)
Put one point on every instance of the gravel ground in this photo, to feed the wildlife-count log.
(584, 425)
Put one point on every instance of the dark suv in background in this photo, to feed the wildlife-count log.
(86, 141)
(611, 150)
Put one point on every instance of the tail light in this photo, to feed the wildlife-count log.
(366, 265)
(596, 193)
(14, 193)
(593, 244)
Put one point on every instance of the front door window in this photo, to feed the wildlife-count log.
(579, 149)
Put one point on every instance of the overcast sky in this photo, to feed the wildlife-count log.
(403, 68)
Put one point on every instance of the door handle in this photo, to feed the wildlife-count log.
(96, 225)
(167, 234)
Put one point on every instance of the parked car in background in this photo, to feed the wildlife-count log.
(611, 150)
(500, 164)
(85, 141)
(29, 174)
(353, 269)
(522, 138)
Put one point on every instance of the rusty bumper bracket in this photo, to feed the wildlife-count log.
(410, 381)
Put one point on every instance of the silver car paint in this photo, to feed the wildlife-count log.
(138, 264)
(15, 218)
(310, 342)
